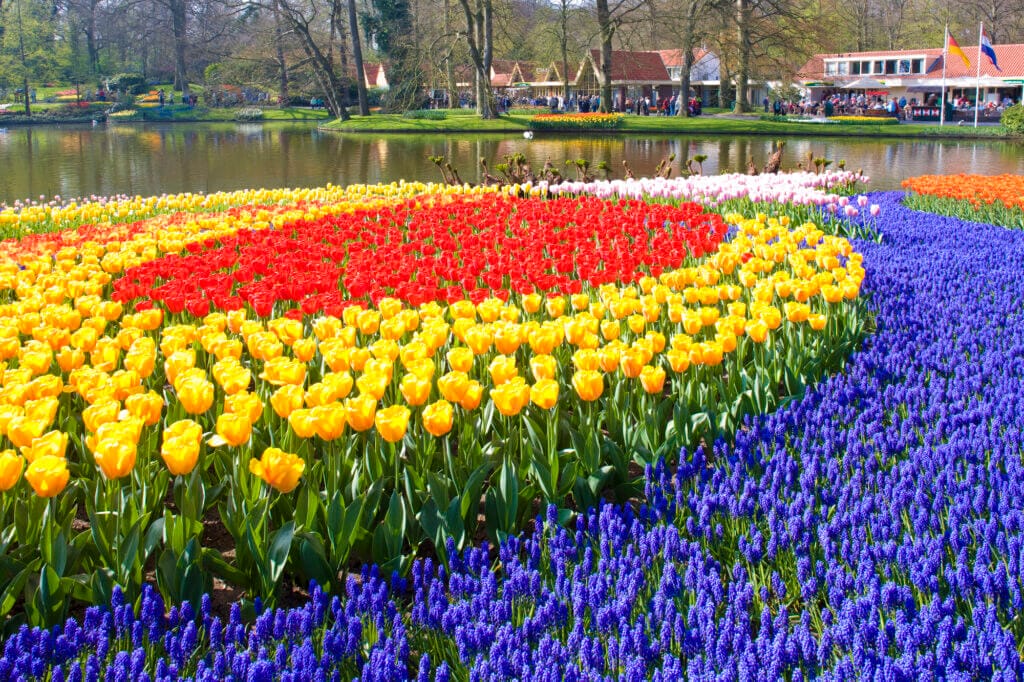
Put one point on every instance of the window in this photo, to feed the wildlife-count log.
(865, 67)
(879, 68)
(855, 68)
(917, 66)
(830, 68)
(890, 66)
(903, 66)
(844, 68)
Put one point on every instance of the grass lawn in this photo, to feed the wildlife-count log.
(467, 121)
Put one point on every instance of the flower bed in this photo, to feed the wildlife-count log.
(996, 199)
(869, 529)
(347, 416)
(589, 121)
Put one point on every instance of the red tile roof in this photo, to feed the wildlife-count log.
(672, 58)
(643, 67)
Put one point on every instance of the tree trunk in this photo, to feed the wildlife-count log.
(283, 96)
(563, 40)
(449, 68)
(326, 77)
(24, 62)
(179, 19)
(743, 39)
(604, 24)
(357, 57)
(478, 37)
(682, 105)
(91, 44)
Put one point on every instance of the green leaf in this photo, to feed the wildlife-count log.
(129, 551)
(280, 546)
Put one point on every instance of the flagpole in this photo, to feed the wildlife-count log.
(977, 82)
(945, 57)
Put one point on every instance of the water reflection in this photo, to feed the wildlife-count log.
(157, 158)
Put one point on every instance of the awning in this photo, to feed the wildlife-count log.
(864, 84)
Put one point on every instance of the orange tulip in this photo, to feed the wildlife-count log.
(52, 444)
(503, 369)
(302, 423)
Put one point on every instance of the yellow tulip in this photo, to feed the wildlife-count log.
(232, 429)
(460, 359)
(278, 469)
(678, 359)
(817, 321)
(184, 428)
(43, 409)
(48, 475)
(415, 390)
(392, 422)
(652, 379)
(247, 404)
(11, 466)
(632, 362)
(69, 359)
(543, 367)
(544, 393)
(115, 458)
(437, 418)
(589, 384)
(195, 395)
(53, 444)
(22, 431)
(302, 423)
(611, 329)
(178, 361)
(472, 397)
(373, 385)
(145, 406)
(286, 400)
(281, 370)
(329, 420)
(360, 412)
(503, 369)
(180, 454)
(757, 330)
(453, 385)
(511, 397)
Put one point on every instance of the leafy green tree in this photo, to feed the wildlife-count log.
(29, 49)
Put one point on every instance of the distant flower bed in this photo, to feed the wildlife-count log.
(595, 121)
(996, 199)
(873, 120)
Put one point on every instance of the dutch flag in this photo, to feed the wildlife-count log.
(986, 49)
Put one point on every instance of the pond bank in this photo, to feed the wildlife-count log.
(460, 122)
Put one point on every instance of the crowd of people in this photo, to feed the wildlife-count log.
(640, 106)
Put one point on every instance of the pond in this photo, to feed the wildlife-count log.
(148, 159)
